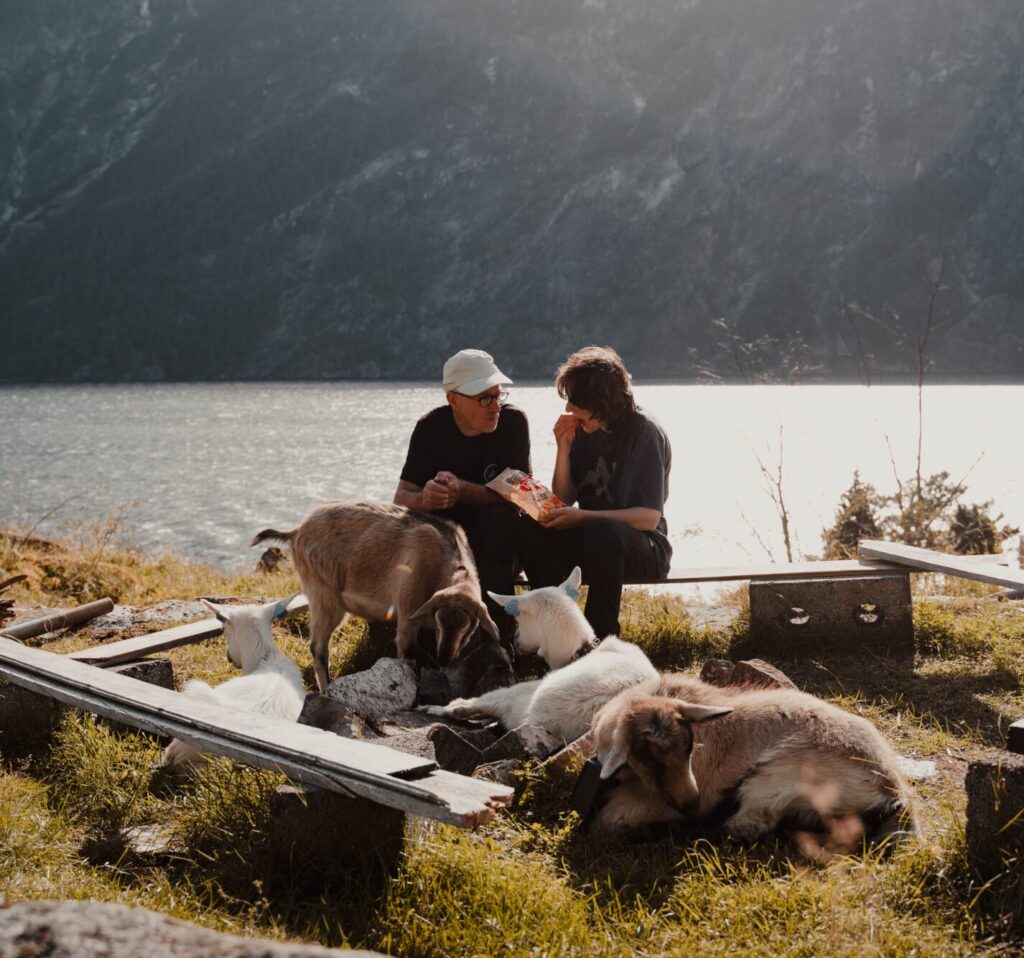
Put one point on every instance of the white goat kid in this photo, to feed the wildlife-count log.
(565, 700)
(271, 683)
(549, 622)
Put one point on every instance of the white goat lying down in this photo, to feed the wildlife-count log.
(759, 758)
(271, 683)
(565, 700)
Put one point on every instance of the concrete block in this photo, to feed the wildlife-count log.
(152, 671)
(27, 721)
(832, 615)
(995, 814)
(314, 833)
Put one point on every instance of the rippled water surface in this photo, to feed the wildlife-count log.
(199, 468)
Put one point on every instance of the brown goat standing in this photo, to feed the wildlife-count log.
(381, 561)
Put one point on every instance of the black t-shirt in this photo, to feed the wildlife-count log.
(623, 469)
(438, 444)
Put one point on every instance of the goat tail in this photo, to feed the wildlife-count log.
(272, 534)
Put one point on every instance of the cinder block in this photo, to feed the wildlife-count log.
(832, 615)
(27, 721)
(314, 832)
(995, 814)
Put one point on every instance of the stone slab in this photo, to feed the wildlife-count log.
(388, 686)
(90, 929)
(832, 615)
(995, 814)
(749, 674)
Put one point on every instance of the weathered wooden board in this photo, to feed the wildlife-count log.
(305, 754)
(926, 560)
(774, 570)
(59, 620)
(1015, 738)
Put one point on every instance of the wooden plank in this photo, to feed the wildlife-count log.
(927, 560)
(1015, 738)
(59, 620)
(303, 753)
(127, 650)
(160, 705)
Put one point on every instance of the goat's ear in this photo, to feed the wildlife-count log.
(426, 609)
(700, 713)
(510, 603)
(281, 607)
(487, 623)
(219, 611)
(571, 586)
(614, 754)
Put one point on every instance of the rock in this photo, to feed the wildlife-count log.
(434, 688)
(321, 711)
(388, 686)
(750, 673)
(717, 672)
(482, 667)
(502, 772)
(452, 752)
(995, 814)
(527, 741)
(152, 671)
(88, 929)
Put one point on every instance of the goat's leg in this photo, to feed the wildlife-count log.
(405, 638)
(321, 627)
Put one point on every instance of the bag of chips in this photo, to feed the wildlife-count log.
(521, 489)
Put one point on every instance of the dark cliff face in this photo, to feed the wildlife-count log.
(264, 188)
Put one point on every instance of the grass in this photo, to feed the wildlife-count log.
(533, 883)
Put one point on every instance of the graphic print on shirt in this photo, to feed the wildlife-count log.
(599, 479)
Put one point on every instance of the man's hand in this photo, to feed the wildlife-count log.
(565, 517)
(442, 492)
(565, 431)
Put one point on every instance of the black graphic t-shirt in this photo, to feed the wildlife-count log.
(624, 469)
(438, 444)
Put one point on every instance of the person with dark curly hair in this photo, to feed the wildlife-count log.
(611, 468)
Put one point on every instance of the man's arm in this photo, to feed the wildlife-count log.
(636, 517)
(432, 496)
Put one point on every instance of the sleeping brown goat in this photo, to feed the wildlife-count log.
(380, 562)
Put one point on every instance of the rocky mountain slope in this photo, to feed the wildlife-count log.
(316, 188)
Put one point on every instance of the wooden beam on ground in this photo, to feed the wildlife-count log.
(301, 752)
(1015, 738)
(59, 620)
(927, 560)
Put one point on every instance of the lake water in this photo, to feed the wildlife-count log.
(199, 468)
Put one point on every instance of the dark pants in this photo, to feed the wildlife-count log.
(608, 553)
(489, 531)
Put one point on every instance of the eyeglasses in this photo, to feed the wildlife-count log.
(488, 399)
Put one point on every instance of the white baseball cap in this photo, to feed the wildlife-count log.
(471, 371)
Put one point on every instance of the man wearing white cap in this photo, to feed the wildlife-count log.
(458, 447)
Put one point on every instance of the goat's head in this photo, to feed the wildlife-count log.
(540, 619)
(247, 630)
(454, 615)
(653, 736)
